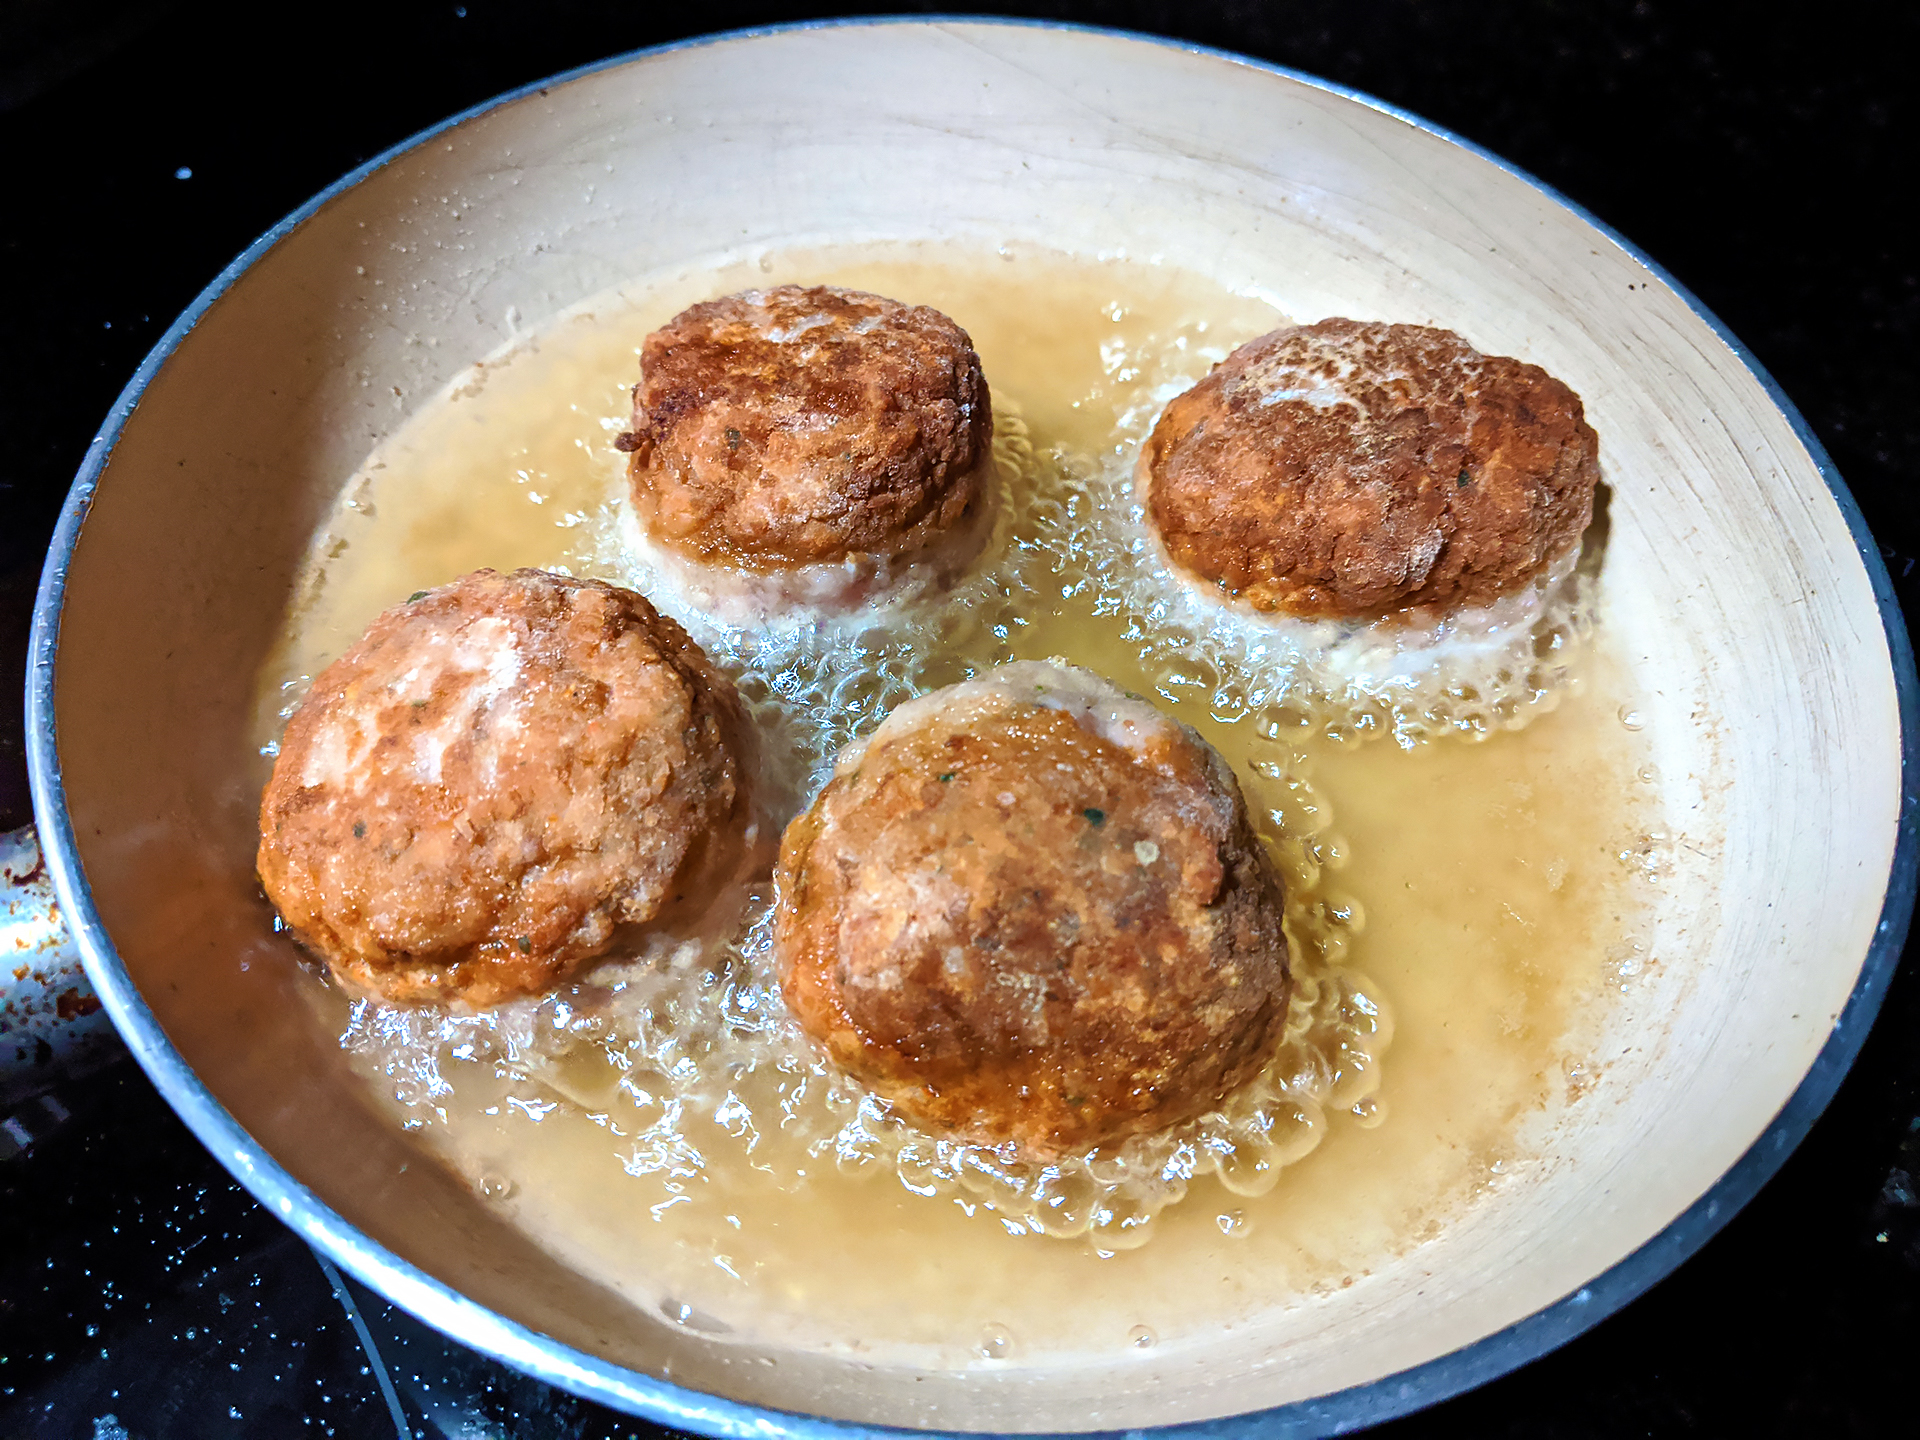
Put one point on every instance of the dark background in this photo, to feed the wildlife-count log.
(1768, 165)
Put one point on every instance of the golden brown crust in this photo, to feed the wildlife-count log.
(1356, 469)
(804, 424)
(1015, 930)
(492, 779)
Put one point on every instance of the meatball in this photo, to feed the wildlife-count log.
(1031, 910)
(808, 444)
(1353, 470)
(492, 779)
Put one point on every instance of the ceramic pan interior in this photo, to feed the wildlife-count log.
(1736, 582)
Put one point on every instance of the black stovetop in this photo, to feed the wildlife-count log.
(143, 1294)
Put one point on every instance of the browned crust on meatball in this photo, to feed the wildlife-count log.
(1016, 931)
(495, 777)
(1353, 470)
(806, 424)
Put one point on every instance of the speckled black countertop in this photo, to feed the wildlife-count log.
(144, 144)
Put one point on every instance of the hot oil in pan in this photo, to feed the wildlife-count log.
(660, 1129)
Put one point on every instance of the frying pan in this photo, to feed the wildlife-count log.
(1741, 588)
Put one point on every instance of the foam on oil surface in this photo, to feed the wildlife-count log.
(1468, 674)
(690, 1032)
(1491, 927)
(693, 1032)
(688, 1038)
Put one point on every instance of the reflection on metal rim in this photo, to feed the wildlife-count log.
(548, 1360)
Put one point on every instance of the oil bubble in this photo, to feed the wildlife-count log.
(1124, 1222)
(681, 1313)
(1345, 911)
(995, 1342)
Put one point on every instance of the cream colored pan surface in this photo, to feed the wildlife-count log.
(1734, 587)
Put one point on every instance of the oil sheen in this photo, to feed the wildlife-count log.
(1459, 826)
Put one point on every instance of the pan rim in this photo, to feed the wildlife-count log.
(473, 1325)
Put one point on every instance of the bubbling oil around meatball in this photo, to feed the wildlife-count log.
(1358, 470)
(1030, 910)
(808, 448)
(498, 775)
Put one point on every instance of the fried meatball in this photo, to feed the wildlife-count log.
(1353, 470)
(807, 443)
(1030, 909)
(492, 779)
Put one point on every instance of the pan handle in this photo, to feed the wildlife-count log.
(51, 1023)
